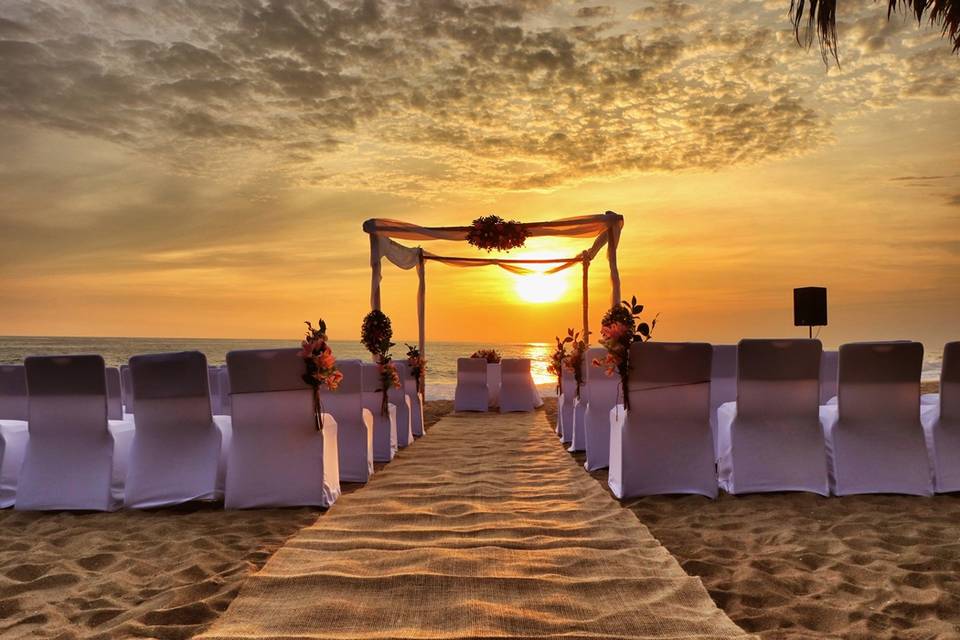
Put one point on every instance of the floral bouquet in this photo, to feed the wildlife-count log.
(417, 364)
(575, 359)
(321, 366)
(492, 356)
(495, 233)
(619, 329)
(376, 335)
(559, 357)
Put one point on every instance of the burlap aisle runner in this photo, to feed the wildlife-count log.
(483, 529)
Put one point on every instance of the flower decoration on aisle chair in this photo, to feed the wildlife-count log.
(621, 327)
(559, 357)
(492, 356)
(418, 366)
(376, 335)
(575, 359)
(321, 366)
(493, 233)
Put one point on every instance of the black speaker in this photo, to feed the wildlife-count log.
(810, 307)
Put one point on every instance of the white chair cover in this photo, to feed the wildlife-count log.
(770, 439)
(175, 456)
(404, 409)
(75, 458)
(354, 423)
(723, 382)
(875, 441)
(941, 424)
(517, 391)
(114, 394)
(829, 375)
(213, 382)
(601, 392)
(126, 388)
(416, 404)
(384, 426)
(13, 392)
(565, 406)
(471, 393)
(493, 383)
(225, 397)
(277, 457)
(13, 429)
(662, 444)
(579, 440)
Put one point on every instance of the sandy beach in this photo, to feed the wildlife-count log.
(799, 566)
(165, 573)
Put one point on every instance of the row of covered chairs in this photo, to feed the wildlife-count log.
(782, 430)
(62, 449)
(509, 384)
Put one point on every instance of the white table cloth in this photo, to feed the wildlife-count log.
(13, 392)
(176, 451)
(277, 456)
(941, 424)
(662, 443)
(875, 440)
(723, 381)
(770, 439)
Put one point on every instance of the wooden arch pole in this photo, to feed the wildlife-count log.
(586, 297)
(421, 313)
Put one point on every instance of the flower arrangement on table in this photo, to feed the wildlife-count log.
(492, 356)
(417, 364)
(494, 233)
(621, 327)
(320, 365)
(574, 360)
(376, 335)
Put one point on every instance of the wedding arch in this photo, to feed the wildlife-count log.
(604, 228)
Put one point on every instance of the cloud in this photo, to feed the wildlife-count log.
(491, 94)
(954, 200)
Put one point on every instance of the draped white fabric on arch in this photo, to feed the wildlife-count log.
(604, 228)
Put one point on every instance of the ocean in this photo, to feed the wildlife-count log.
(441, 356)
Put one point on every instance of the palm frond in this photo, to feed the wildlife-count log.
(818, 19)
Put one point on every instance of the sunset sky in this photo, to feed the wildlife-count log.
(188, 168)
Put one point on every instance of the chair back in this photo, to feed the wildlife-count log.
(114, 394)
(370, 377)
(267, 385)
(568, 382)
(471, 370)
(13, 392)
(599, 388)
(126, 388)
(67, 395)
(778, 378)
(403, 372)
(171, 391)
(880, 380)
(346, 402)
(514, 367)
(950, 382)
(670, 380)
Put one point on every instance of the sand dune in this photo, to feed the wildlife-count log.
(796, 566)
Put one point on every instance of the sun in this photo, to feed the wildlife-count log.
(541, 287)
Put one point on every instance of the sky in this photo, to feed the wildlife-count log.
(181, 168)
